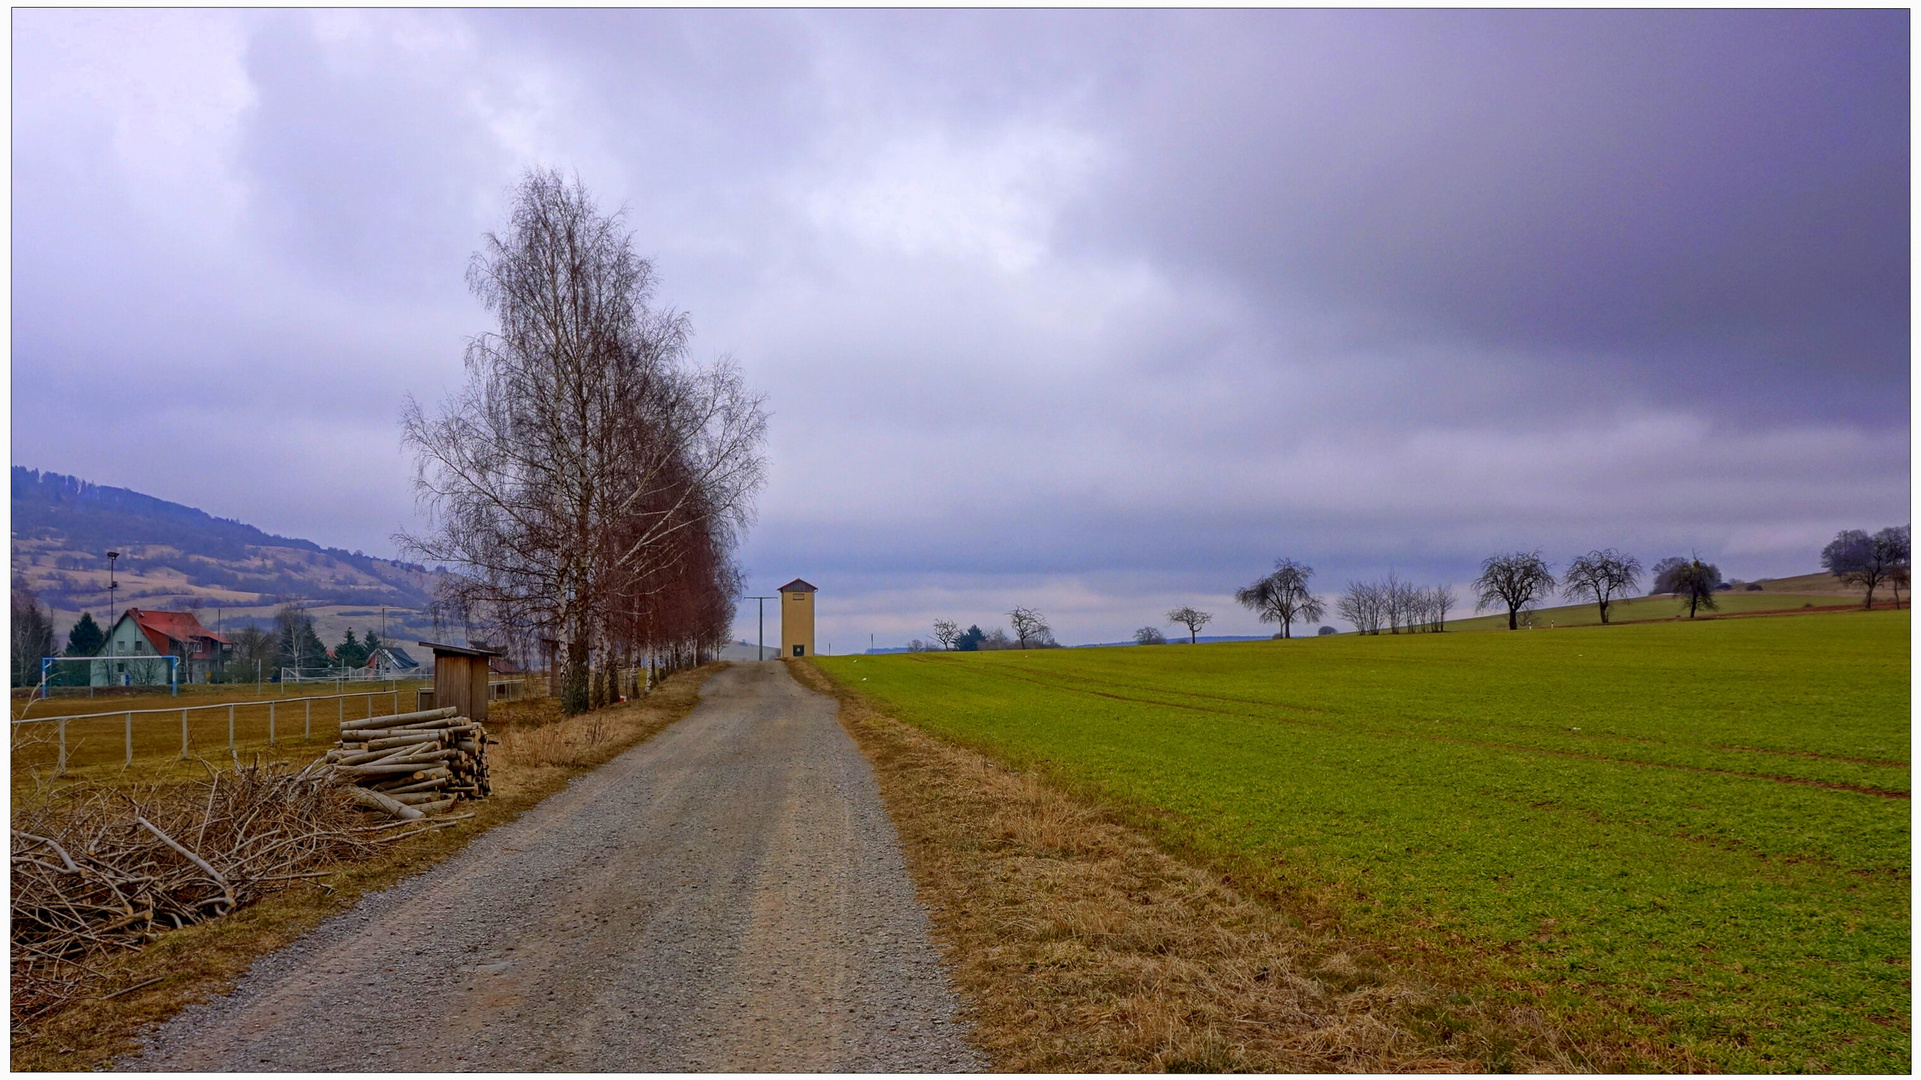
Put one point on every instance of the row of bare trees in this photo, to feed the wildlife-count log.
(1395, 606)
(589, 482)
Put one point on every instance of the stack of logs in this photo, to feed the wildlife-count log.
(415, 763)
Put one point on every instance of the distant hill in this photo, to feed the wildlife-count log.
(177, 557)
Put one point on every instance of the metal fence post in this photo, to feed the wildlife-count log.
(270, 711)
(130, 739)
(184, 755)
(309, 733)
(63, 746)
(230, 748)
(370, 706)
(340, 705)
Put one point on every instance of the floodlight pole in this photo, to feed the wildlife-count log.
(111, 586)
(760, 643)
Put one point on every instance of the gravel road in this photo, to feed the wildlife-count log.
(729, 895)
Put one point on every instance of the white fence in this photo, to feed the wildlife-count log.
(278, 718)
(279, 712)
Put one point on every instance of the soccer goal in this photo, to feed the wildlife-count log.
(101, 671)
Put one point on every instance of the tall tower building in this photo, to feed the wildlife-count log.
(797, 618)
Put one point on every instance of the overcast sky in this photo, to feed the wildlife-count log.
(1098, 312)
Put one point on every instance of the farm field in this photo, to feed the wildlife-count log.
(1687, 842)
(1650, 608)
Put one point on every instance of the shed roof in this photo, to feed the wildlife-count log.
(458, 650)
(797, 585)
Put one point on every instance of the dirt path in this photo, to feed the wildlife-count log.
(729, 895)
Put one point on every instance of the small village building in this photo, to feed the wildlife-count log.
(392, 662)
(797, 618)
(140, 632)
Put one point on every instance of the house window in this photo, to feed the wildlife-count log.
(800, 596)
(800, 650)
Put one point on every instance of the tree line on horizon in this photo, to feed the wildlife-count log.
(1517, 581)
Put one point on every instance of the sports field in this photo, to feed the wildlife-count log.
(1688, 843)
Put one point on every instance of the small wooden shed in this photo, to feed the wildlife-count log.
(460, 679)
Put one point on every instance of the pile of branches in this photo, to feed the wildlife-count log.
(98, 869)
(414, 763)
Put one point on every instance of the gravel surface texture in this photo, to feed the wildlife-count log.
(729, 895)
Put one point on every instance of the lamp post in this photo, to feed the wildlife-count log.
(111, 586)
(760, 644)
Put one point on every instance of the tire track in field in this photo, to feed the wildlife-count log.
(1830, 785)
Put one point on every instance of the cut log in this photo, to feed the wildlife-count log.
(398, 720)
(382, 769)
(406, 739)
(435, 807)
(376, 801)
(430, 784)
(402, 781)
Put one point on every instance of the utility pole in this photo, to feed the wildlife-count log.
(760, 644)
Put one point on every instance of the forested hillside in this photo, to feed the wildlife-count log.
(174, 556)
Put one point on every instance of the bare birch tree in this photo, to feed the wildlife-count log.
(565, 481)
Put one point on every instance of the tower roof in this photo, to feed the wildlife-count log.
(797, 585)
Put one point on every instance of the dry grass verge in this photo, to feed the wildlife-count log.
(537, 754)
(1078, 945)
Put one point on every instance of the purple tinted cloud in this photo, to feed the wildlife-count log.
(1098, 309)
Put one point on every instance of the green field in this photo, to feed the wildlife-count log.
(1689, 841)
(1646, 608)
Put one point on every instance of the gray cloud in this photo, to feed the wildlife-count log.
(1097, 310)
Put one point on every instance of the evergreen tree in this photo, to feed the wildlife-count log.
(86, 637)
(300, 647)
(351, 653)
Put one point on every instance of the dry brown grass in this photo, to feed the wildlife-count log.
(1078, 945)
(538, 753)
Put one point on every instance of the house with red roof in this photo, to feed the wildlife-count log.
(143, 632)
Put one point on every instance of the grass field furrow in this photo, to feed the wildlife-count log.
(1691, 840)
(1174, 699)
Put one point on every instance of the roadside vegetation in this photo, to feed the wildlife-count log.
(539, 751)
(1079, 946)
(1685, 844)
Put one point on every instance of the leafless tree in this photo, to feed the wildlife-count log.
(1395, 605)
(1692, 581)
(1604, 575)
(946, 631)
(1029, 626)
(1364, 606)
(586, 466)
(1518, 580)
(1283, 596)
(1867, 562)
(32, 630)
(1191, 619)
(1149, 635)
